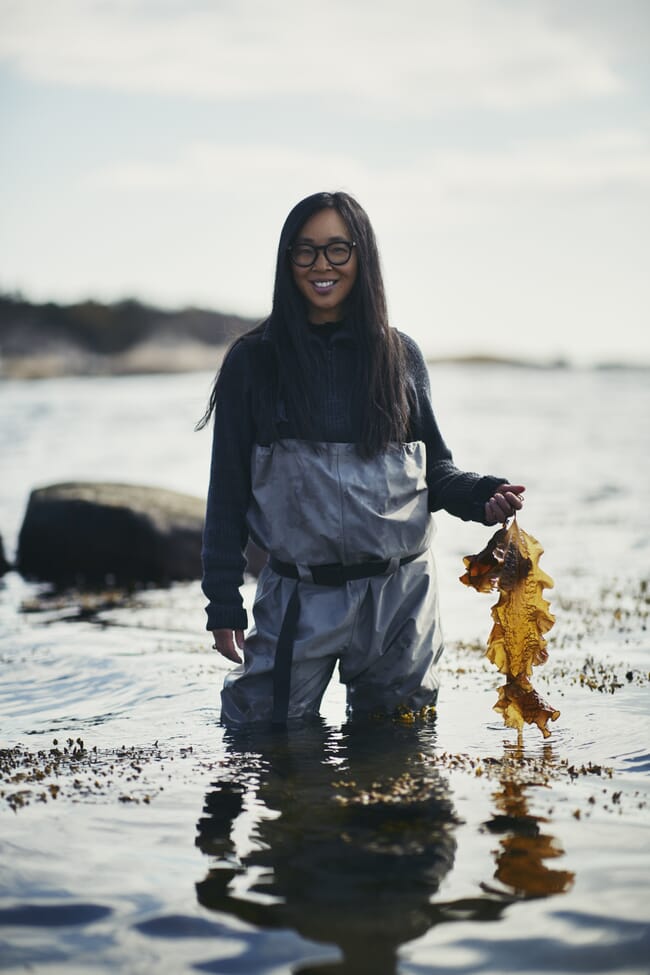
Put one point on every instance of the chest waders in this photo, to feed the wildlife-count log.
(350, 579)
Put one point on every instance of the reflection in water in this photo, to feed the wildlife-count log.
(344, 836)
(524, 848)
(356, 837)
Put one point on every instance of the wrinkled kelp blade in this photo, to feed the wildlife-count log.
(510, 564)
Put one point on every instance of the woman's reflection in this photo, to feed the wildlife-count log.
(345, 836)
(351, 834)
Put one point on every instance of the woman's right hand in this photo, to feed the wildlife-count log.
(224, 642)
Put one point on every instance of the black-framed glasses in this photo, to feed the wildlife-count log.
(337, 252)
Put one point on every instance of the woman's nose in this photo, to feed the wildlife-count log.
(321, 261)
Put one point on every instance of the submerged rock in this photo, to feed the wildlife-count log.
(90, 533)
(4, 565)
(96, 532)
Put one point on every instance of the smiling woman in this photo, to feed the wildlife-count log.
(327, 453)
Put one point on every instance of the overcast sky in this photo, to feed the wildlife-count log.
(152, 148)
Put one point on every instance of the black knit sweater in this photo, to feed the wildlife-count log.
(240, 422)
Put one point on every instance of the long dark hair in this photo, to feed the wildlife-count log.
(386, 396)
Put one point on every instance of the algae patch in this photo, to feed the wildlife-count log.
(78, 773)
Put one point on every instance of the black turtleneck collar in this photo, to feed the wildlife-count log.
(331, 332)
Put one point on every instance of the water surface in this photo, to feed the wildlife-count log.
(147, 838)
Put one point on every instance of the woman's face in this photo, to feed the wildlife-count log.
(325, 286)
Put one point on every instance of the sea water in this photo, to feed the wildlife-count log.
(136, 835)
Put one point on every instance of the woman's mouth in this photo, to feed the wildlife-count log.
(323, 286)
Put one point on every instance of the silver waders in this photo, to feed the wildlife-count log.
(350, 578)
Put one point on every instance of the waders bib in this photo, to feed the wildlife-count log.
(350, 578)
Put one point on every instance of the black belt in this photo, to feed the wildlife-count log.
(333, 574)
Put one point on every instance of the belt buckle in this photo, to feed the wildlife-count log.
(392, 566)
(304, 572)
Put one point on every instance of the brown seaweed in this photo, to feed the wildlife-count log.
(510, 564)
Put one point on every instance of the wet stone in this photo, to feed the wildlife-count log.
(97, 533)
(4, 565)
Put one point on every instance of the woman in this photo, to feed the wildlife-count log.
(327, 454)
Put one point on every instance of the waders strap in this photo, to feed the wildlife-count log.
(283, 660)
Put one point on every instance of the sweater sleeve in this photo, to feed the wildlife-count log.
(461, 493)
(225, 532)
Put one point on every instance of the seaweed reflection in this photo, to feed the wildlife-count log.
(524, 847)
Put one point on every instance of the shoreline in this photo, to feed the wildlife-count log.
(151, 358)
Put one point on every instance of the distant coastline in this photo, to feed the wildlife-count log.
(477, 359)
(43, 341)
(513, 363)
(94, 339)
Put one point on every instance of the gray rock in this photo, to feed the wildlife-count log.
(4, 565)
(93, 533)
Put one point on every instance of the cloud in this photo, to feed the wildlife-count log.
(205, 166)
(615, 28)
(407, 58)
(588, 163)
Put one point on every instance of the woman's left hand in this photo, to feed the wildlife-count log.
(505, 501)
